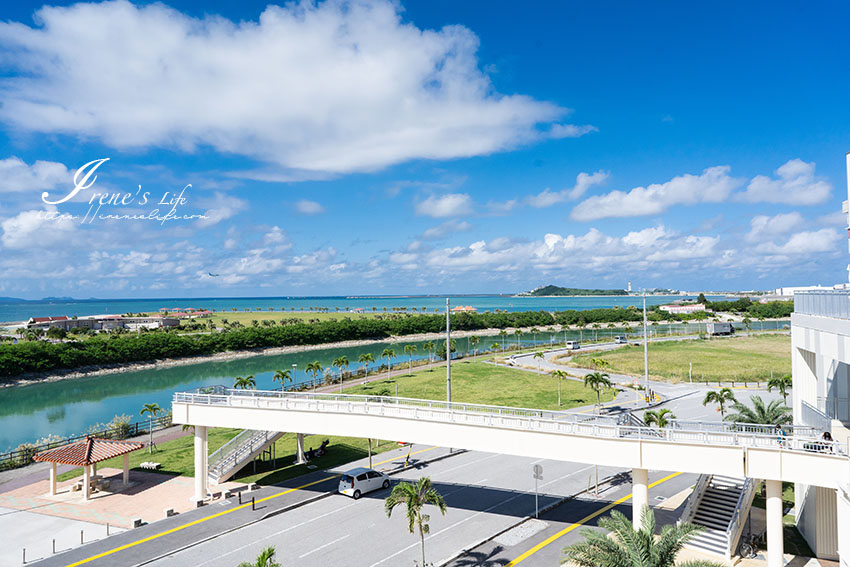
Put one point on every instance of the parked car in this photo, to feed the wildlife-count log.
(572, 345)
(359, 481)
(620, 340)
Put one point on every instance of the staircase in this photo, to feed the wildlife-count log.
(719, 505)
(238, 452)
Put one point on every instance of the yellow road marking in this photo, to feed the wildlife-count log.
(206, 518)
(581, 522)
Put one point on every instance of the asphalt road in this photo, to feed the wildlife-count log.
(485, 493)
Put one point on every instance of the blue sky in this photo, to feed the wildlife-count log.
(422, 146)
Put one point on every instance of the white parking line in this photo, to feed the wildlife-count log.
(470, 463)
(323, 546)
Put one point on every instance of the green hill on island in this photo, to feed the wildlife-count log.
(556, 290)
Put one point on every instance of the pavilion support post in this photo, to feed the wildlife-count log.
(94, 469)
(640, 495)
(53, 479)
(200, 463)
(86, 482)
(126, 477)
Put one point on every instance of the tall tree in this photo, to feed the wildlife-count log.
(628, 547)
(782, 383)
(495, 346)
(409, 350)
(661, 418)
(152, 410)
(315, 367)
(365, 359)
(720, 397)
(518, 335)
(560, 375)
(339, 363)
(429, 347)
(774, 413)
(389, 354)
(474, 340)
(538, 356)
(597, 381)
(246, 383)
(503, 333)
(414, 497)
(282, 376)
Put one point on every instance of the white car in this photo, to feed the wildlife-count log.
(359, 481)
(572, 345)
(620, 340)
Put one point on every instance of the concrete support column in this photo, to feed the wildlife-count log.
(201, 472)
(126, 477)
(640, 494)
(299, 451)
(773, 513)
(94, 469)
(86, 483)
(53, 479)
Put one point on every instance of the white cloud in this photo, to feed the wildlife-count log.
(796, 184)
(219, 207)
(444, 229)
(712, 186)
(583, 182)
(570, 130)
(326, 87)
(441, 206)
(764, 227)
(16, 175)
(307, 207)
(501, 207)
(276, 236)
(805, 243)
(38, 229)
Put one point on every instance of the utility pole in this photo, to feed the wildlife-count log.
(448, 354)
(645, 351)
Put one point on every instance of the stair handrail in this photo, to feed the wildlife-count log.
(695, 497)
(736, 524)
(233, 444)
(237, 455)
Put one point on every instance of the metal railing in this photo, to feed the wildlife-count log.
(825, 303)
(244, 445)
(568, 423)
(736, 525)
(733, 427)
(694, 499)
(814, 417)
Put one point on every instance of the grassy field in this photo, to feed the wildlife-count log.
(740, 359)
(480, 383)
(473, 382)
(177, 456)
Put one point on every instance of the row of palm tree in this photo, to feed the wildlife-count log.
(772, 413)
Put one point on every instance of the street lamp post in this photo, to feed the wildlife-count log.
(293, 373)
(645, 351)
(448, 354)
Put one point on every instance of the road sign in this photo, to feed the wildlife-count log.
(538, 472)
(538, 475)
(636, 383)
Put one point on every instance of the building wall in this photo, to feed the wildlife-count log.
(843, 513)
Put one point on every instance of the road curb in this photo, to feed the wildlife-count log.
(282, 510)
(543, 510)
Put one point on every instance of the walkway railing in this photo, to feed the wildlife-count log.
(568, 423)
(693, 500)
(825, 303)
(736, 525)
(237, 451)
(732, 427)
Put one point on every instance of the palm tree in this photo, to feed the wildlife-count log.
(599, 363)
(282, 376)
(560, 375)
(534, 331)
(494, 346)
(429, 347)
(315, 367)
(340, 362)
(503, 333)
(597, 381)
(388, 354)
(415, 497)
(661, 418)
(782, 384)
(409, 350)
(538, 356)
(247, 383)
(518, 335)
(719, 397)
(747, 323)
(152, 410)
(264, 559)
(365, 359)
(774, 413)
(474, 340)
(625, 546)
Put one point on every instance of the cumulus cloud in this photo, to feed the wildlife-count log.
(307, 207)
(583, 182)
(766, 227)
(309, 87)
(713, 185)
(570, 130)
(806, 242)
(795, 184)
(36, 229)
(219, 207)
(16, 175)
(441, 206)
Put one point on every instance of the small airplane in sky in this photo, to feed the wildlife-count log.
(213, 275)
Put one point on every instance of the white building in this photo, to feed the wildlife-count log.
(683, 309)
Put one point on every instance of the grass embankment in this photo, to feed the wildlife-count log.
(472, 382)
(740, 359)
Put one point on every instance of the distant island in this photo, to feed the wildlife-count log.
(556, 290)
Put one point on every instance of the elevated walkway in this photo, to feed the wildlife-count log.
(238, 452)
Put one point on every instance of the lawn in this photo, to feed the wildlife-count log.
(481, 383)
(748, 359)
(177, 456)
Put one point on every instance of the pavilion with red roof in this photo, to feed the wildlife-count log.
(87, 453)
